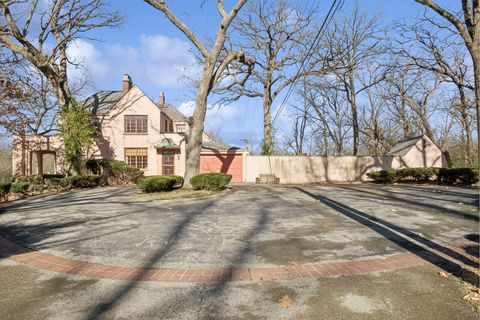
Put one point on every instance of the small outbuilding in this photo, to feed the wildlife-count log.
(419, 151)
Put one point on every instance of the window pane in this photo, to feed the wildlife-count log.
(136, 124)
(137, 157)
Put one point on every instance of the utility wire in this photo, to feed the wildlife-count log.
(336, 5)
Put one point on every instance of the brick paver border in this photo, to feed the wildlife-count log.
(49, 262)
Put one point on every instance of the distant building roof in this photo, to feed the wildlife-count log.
(404, 146)
(102, 101)
(171, 112)
(218, 146)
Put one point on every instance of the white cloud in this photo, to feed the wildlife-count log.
(158, 61)
(217, 117)
(86, 59)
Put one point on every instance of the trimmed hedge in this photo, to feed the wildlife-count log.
(82, 181)
(447, 176)
(458, 176)
(5, 189)
(57, 183)
(210, 181)
(33, 179)
(117, 172)
(159, 183)
(19, 187)
(52, 176)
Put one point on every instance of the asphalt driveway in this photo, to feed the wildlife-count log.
(253, 227)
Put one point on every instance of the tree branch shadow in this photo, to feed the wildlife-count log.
(403, 238)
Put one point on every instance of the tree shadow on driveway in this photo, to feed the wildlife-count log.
(207, 289)
(405, 239)
(412, 203)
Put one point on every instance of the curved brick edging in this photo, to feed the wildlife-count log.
(49, 262)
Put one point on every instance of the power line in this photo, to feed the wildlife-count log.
(328, 18)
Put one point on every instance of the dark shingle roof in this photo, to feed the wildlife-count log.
(402, 147)
(102, 101)
(172, 112)
(218, 146)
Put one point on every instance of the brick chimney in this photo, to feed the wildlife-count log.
(162, 98)
(126, 83)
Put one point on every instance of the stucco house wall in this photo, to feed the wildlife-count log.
(135, 102)
(25, 148)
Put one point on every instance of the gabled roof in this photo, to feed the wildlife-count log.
(171, 112)
(404, 146)
(102, 101)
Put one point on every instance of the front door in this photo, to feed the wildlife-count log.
(168, 162)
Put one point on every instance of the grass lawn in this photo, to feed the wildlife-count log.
(176, 194)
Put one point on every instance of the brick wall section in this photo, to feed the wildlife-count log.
(225, 163)
(49, 262)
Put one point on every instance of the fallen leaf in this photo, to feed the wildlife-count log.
(286, 302)
(443, 274)
(472, 297)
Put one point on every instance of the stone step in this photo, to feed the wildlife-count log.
(267, 179)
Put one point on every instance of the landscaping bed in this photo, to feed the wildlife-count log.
(176, 194)
(27, 186)
(96, 172)
(441, 176)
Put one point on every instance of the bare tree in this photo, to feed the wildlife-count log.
(276, 37)
(469, 31)
(27, 102)
(329, 117)
(296, 141)
(412, 95)
(438, 52)
(378, 130)
(215, 61)
(356, 42)
(41, 32)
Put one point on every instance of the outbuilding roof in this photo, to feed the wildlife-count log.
(218, 146)
(404, 146)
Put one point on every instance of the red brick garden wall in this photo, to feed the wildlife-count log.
(225, 163)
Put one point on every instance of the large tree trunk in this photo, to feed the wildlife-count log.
(267, 147)
(353, 104)
(60, 87)
(194, 141)
(476, 70)
(468, 156)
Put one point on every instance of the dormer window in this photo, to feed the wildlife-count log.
(168, 126)
(181, 127)
(136, 124)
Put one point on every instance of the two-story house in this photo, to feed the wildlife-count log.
(131, 127)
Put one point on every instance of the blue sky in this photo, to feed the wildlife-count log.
(159, 58)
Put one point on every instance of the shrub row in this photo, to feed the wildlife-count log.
(206, 181)
(447, 176)
(5, 189)
(210, 181)
(116, 172)
(159, 183)
(38, 183)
